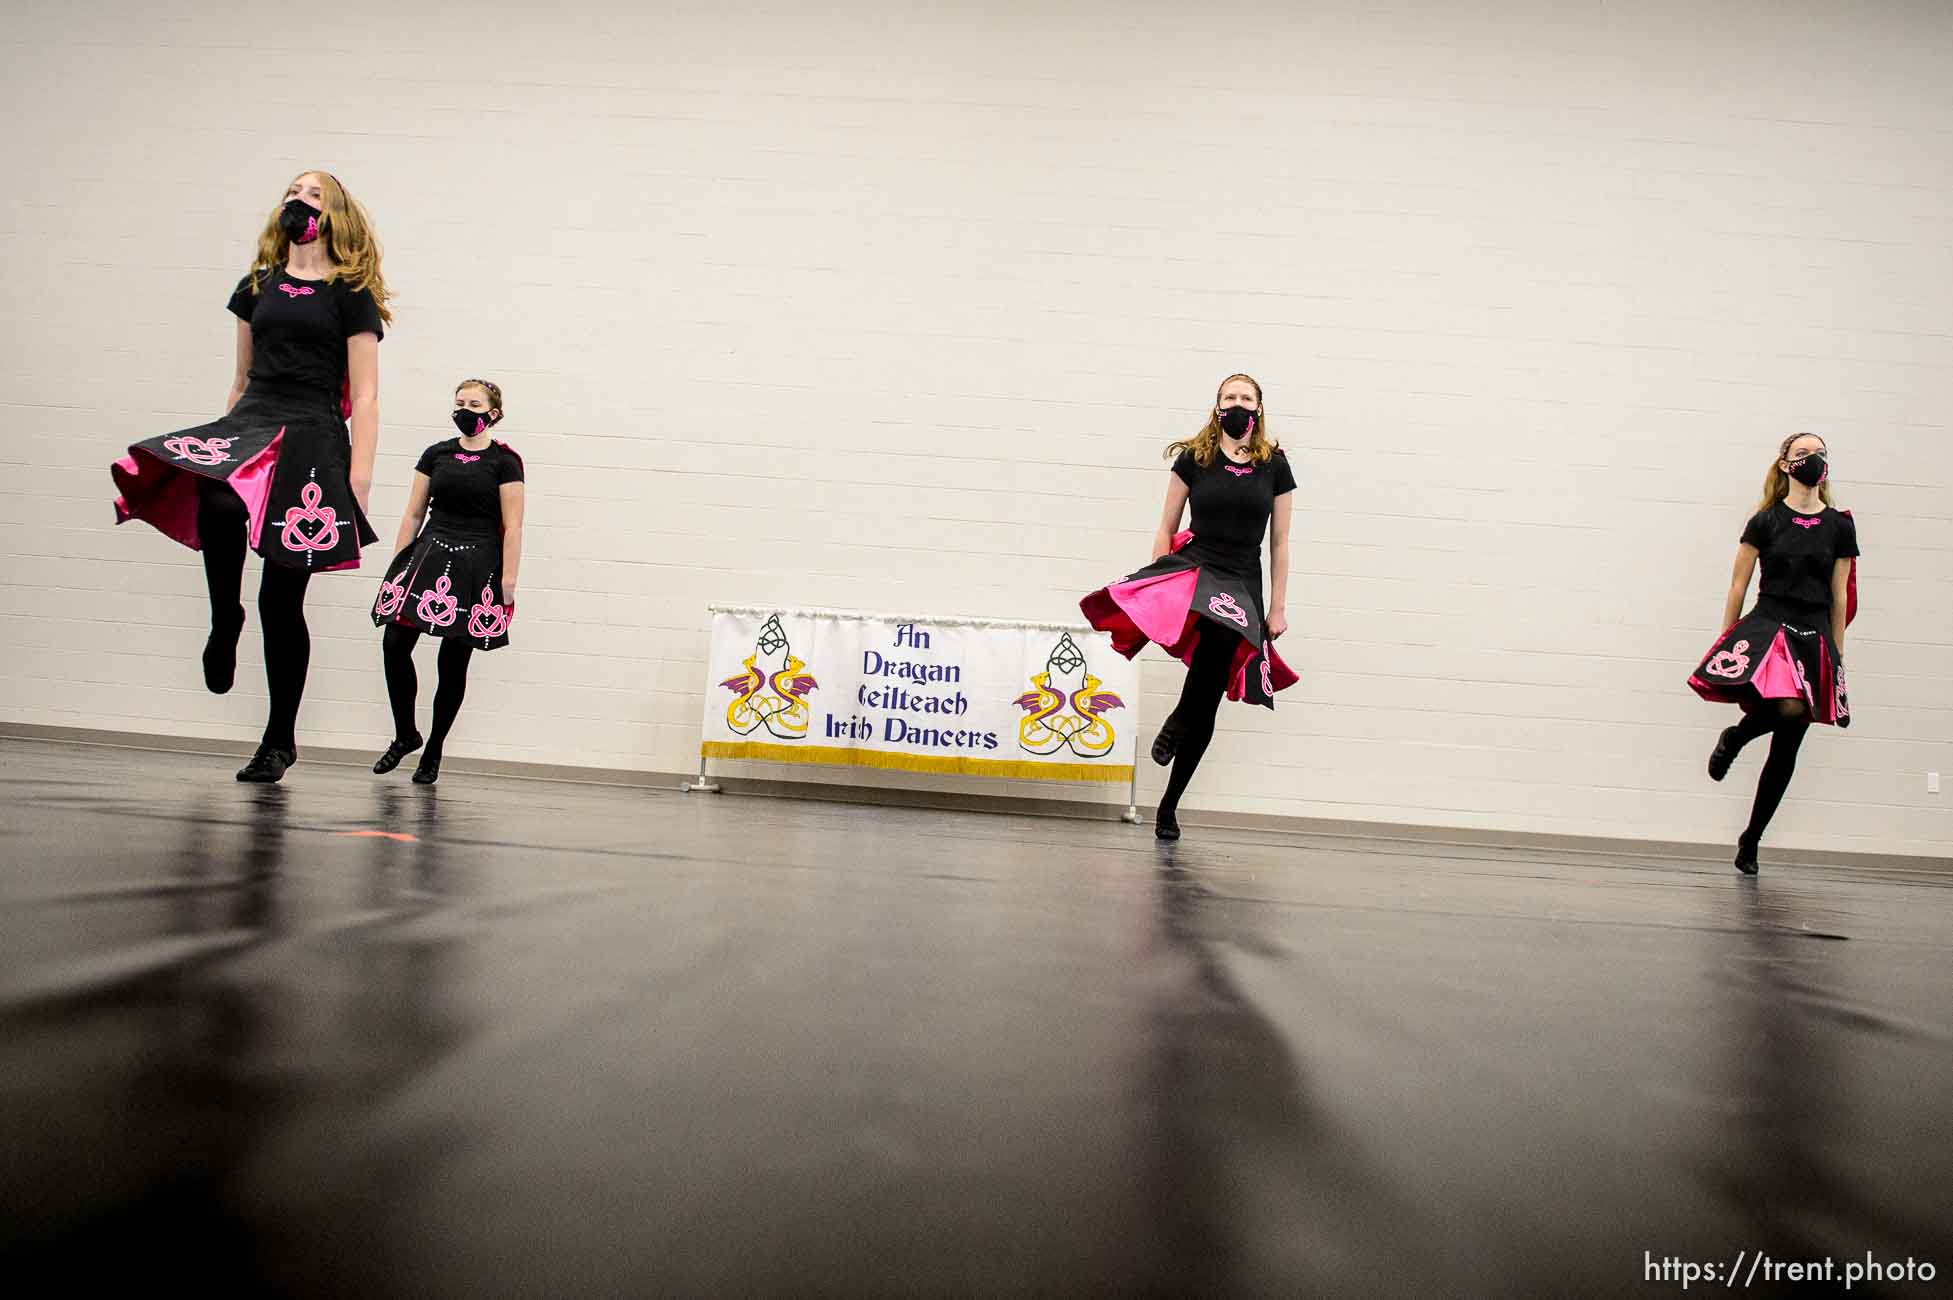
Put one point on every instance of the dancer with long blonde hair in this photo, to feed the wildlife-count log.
(279, 472)
(1201, 597)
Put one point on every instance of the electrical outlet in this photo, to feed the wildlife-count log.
(1932, 783)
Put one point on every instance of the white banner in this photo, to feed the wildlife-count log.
(1039, 701)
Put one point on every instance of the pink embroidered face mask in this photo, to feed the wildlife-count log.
(1237, 421)
(471, 422)
(300, 221)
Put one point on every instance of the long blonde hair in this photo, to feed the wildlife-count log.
(1205, 444)
(1776, 484)
(350, 245)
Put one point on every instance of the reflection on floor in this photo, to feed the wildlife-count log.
(352, 1036)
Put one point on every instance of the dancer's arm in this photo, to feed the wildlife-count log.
(1278, 555)
(363, 378)
(1840, 580)
(243, 375)
(512, 501)
(1176, 502)
(410, 522)
(1739, 585)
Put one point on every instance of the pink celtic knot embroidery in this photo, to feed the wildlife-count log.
(1841, 706)
(392, 596)
(486, 619)
(1267, 679)
(296, 290)
(1733, 662)
(1223, 606)
(464, 457)
(1240, 471)
(323, 537)
(1801, 522)
(197, 451)
(437, 607)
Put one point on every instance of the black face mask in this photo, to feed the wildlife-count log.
(300, 221)
(1811, 470)
(471, 422)
(1237, 421)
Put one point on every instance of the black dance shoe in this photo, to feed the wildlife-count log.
(1166, 745)
(396, 751)
(220, 653)
(1746, 855)
(1723, 754)
(267, 766)
(1166, 825)
(429, 770)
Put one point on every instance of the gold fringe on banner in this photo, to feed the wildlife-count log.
(838, 756)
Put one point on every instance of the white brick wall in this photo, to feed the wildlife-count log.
(895, 306)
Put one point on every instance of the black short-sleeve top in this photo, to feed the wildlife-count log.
(1230, 504)
(465, 488)
(299, 328)
(1799, 552)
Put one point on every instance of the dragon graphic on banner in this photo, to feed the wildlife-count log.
(1064, 708)
(772, 691)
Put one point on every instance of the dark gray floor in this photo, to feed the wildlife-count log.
(568, 1040)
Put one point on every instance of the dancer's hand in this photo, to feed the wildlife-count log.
(362, 489)
(1277, 623)
(508, 593)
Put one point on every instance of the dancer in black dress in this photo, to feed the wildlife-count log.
(1783, 662)
(279, 474)
(1200, 598)
(455, 578)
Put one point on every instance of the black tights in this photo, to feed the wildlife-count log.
(1192, 720)
(397, 650)
(221, 524)
(1786, 731)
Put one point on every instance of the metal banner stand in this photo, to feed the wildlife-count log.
(704, 784)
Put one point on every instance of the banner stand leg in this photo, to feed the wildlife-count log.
(704, 784)
(1131, 816)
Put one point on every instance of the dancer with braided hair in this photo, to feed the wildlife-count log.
(1783, 662)
(454, 579)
